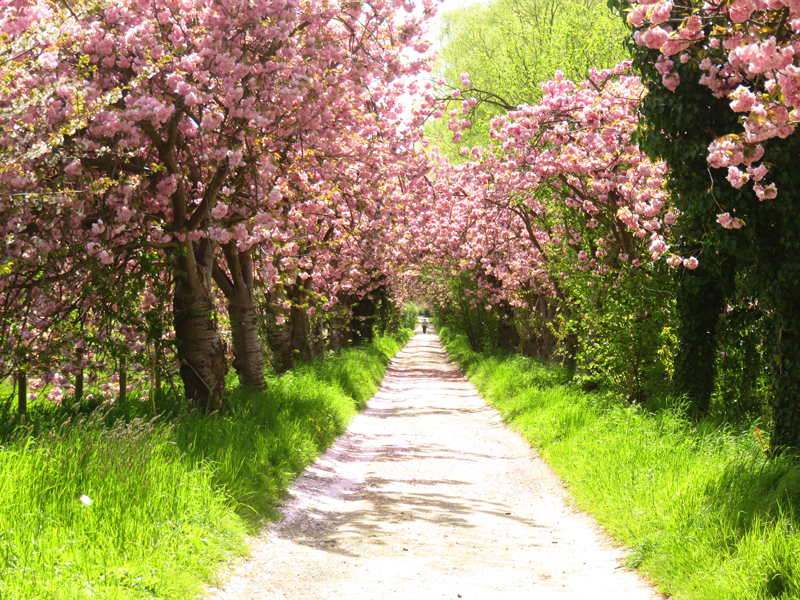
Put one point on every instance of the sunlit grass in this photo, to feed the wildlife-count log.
(120, 503)
(706, 513)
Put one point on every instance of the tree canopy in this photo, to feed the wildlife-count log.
(510, 47)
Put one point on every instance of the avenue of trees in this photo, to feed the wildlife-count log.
(189, 185)
(640, 219)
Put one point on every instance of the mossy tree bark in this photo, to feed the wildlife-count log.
(201, 351)
(237, 286)
(699, 304)
(279, 331)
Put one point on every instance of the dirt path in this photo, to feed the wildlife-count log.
(429, 495)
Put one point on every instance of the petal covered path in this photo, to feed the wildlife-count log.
(429, 495)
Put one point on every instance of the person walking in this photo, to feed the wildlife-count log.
(425, 326)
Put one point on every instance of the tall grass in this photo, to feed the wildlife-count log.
(118, 503)
(706, 513)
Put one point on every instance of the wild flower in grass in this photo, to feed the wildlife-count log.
(85, 500)
(761, 440)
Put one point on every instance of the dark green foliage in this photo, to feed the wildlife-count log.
(375, 314)
(755, 267)
(678, 128)
(467, 312)
(699, 304)
(742, 385)
(625, 332)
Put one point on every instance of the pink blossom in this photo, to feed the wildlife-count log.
(743, 100)
(740, 10)
(218, 234)
(728, 222)
(671, 81)
(690, 263)
(664, 65)
(637, 15)
(219, 211)
(74, 168)
(737, 178)
(758, 172)
(654, 37)
(660, 12)
(765, 193)
(240, 232)
(657, 246)
(149, 300)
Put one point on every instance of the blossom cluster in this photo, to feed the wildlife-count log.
(749, 52)
(562, 189)
(136, 133)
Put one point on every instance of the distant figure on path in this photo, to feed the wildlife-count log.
(425, 326)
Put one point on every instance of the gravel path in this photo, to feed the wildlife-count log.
(429, 495)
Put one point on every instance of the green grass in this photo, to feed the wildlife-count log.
(705, 512)
(172, 496)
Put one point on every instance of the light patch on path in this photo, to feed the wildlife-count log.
(429, 495)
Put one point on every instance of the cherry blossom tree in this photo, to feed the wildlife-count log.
(199, 131)
(560, 210)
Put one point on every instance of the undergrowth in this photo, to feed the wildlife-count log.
(122, 503)
(706, 513)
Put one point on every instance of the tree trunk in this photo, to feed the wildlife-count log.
(699, 302)
(339, 328)
(547, 312)
(786, 388)
(507, 336)
(123, 381)
(570, 341)
(156, 386)
(22, 392)
(79, 385)
(301, 325)
(79, 379)
(318, 336)
(201, 351)
(248, 356)
(363, 321)
(238, 290)
(279, 334)
(301, 330)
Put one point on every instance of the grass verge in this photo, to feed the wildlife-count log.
(706, 514)
(122, 504)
